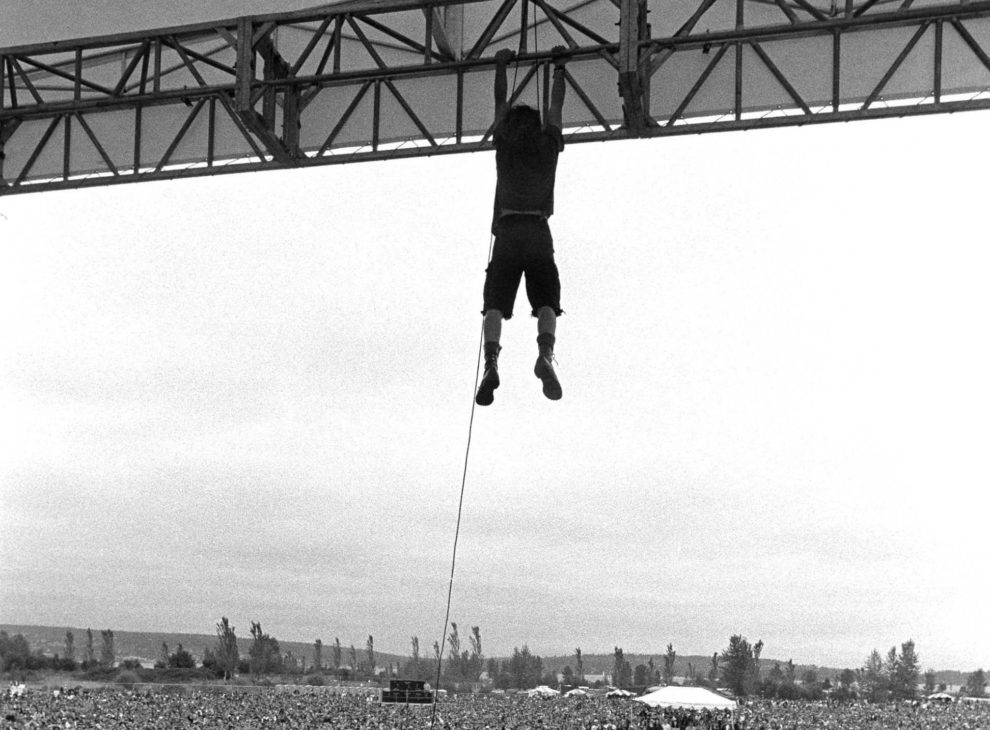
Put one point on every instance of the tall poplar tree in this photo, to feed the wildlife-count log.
(414, 668)
(90, 650)
(336, 656)
(70, 647)
(905, 678)
(454, 662)
(476, 661)
(668, 665)
(108, 655)
(266, 655)
(874, 680)
(227, 653)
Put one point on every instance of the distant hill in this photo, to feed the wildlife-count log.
(602, 663)
(146, 646)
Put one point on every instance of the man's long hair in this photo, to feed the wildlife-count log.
(522, 128)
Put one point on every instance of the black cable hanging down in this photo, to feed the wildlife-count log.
(460, 506)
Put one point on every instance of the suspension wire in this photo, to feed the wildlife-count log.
(522, 47)
(515, 74)
(460, 505)
(536, 49)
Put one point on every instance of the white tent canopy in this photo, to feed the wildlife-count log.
(689, 697)
(542, 691)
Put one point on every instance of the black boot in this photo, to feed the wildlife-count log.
(489, 381)
(544, 367)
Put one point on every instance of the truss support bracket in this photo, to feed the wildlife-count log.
(633, 82)
(445, 29)
(7, 127)
(245, 65)
(285, 149)
(254, 122)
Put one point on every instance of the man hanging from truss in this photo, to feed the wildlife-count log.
(526, 164)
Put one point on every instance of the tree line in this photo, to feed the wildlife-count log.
(737, 667)
(15, 653)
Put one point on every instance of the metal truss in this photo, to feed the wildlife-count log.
(379, 79)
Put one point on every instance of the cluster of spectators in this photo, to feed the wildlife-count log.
(111, 709)
(677, 718)
(805, 715)
(114, 709)
(920, 715)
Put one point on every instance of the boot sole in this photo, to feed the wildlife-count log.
(486, 393)
(551, 386)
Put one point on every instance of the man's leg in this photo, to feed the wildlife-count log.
(546, 327)
(546, 321)
(543, 290)
(493, 326)
(492, 332)
(502, 279)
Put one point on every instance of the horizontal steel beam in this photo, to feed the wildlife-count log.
(910, 17)
(207, 28)
(334, 85)
(592, 136)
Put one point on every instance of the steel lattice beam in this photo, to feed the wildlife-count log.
(379, 79)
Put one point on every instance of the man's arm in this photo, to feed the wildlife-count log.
(555, 113)
(502, 59)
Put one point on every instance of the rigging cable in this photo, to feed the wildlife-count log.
(460, 505)
(536, 50)
(515, 69)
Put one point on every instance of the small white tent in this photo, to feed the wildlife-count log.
(690, 697)
(543, 691)
(619, 693)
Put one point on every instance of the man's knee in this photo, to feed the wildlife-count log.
(547, 312)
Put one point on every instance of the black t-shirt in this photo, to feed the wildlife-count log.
(526, 176)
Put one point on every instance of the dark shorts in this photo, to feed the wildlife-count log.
(523, 245)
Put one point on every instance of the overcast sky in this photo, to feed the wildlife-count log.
(250, 395)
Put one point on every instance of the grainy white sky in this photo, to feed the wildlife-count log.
(249, 396)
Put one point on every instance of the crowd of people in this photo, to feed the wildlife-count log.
(805, 715)
(917, 715)
(110, 709)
